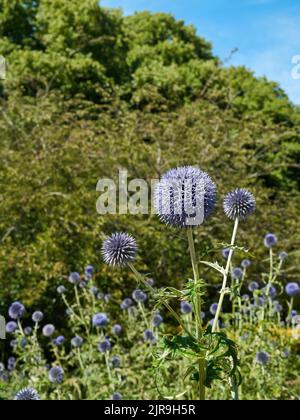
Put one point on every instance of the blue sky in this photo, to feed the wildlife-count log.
(267, 32)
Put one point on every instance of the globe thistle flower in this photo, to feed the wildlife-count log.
(48, 330)
(100, 320)
(253, 286)
(23, 343)
(117, 329)
(237, 273)
(246, 297)
(116, 362)
(77, 341)
(27, 394)
(61, 290)
(16, 310)
(181, 194)
(28, 331)
(116, 396)
(11, 327)
(259, 302)
(246, 263)
(262, 357)
(119, 249)
(69, 312)
(213, 308)
(59, 341)
(56, 375)
(270, 240)
(185, 307)
(11, 363)
(104, 346)
(126, 303)
(225, 253)
(139, 296)
(13, 344)
(283, 255)
(278, 307)
(89, 272)
(150, 282)
(271, 289)
(74, 278)
(294, 313)
(239, 204)
(100, 296)
(157, 320)
(82, 284)
(149, 336)
(292, 289)
(94, 291)
(37, 317)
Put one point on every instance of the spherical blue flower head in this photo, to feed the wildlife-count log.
(37, 317)
(119, 249)
(100, 296)
(237, 273)
(94, 291)
(139, 296)
(23, 343)
(16, 310)
(294, 313)
(127, 302)
(149, 336)
(283, 256)
(69, 312)
(225, 253)
(182, 195)
(270, 240)
(272, 291)
(117, 329)
(74, 278)
(278, 308)
(262, 357)
(185, 307)
(59, 341)
(28, 331)
(13, 343)
(150, 282)
(116, 362)
(259, 302)
(61, 290)
(48, 330)
(11, 327)
(239, 203)
(77, 341)
(11, 364)
(104, 346)
(246, 263)
(253, 286)
(82, 285)
(213, 308)
(292, 289)
(157, 320)
(211, 322)
(246, 297)
(100, 320)
(56, 375)
(89, 272)
(27, 394)
(116, 396)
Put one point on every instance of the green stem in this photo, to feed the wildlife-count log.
(225, 277)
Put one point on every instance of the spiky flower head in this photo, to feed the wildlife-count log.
(246, 263)
(89, 272)
(126, 303)
(48, 330)
(149, 336)
(56, 375)
(11, 327)
(74, 278)
(59, 341)
(185, 307)
(37, 316)
(253, 286)
(225, 253)
(16, 310)
(27, 394)
(77, 341)
(100, 320)
(239, 203)
(262, 357)
(157, 320)
(283, 255)
(270, 240)
(292, 289)
(116, 396)
(185, 196)
(237, 273)
(61, 290)
(104, 346)
(119, 249)
(213, 308)
(139, 296)
(116, 362)
(28, 331)
(271, 290)
(117, 329)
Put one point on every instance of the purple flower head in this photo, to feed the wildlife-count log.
(283, 256)
(271, 289)
(253, 286)
(28, 331)
(48, 330)
(56, 375)
(246, 263)
(246, 297)
(107, 297)
(262, 357)
(27, 394)
(126, 303)
(116, 362)
(225, 253)
(16, 310)
(292, 289)
(61, 290)
(59, 341)
(89, 272)
(278, 307)
(270, 240)
(150, 282)
(149, 336)
(37, 317)
(119, 249)
(185, 197)
(11, 327)
(77, 341)
(100, 320)
(104, 346)
(185, 307)
(74, 278)
(94, 290)
(213, 308)
(117, 329)
(116, 396)
(157, 320)
(139, 296)
(82, 284)
(239, 204)
(11, 364)
(237, 273)
(100, 296)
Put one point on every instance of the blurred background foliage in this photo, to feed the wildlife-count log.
(90, 91)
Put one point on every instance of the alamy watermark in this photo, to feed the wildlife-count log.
(2, 68)
(176, 197)
(296, 68)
